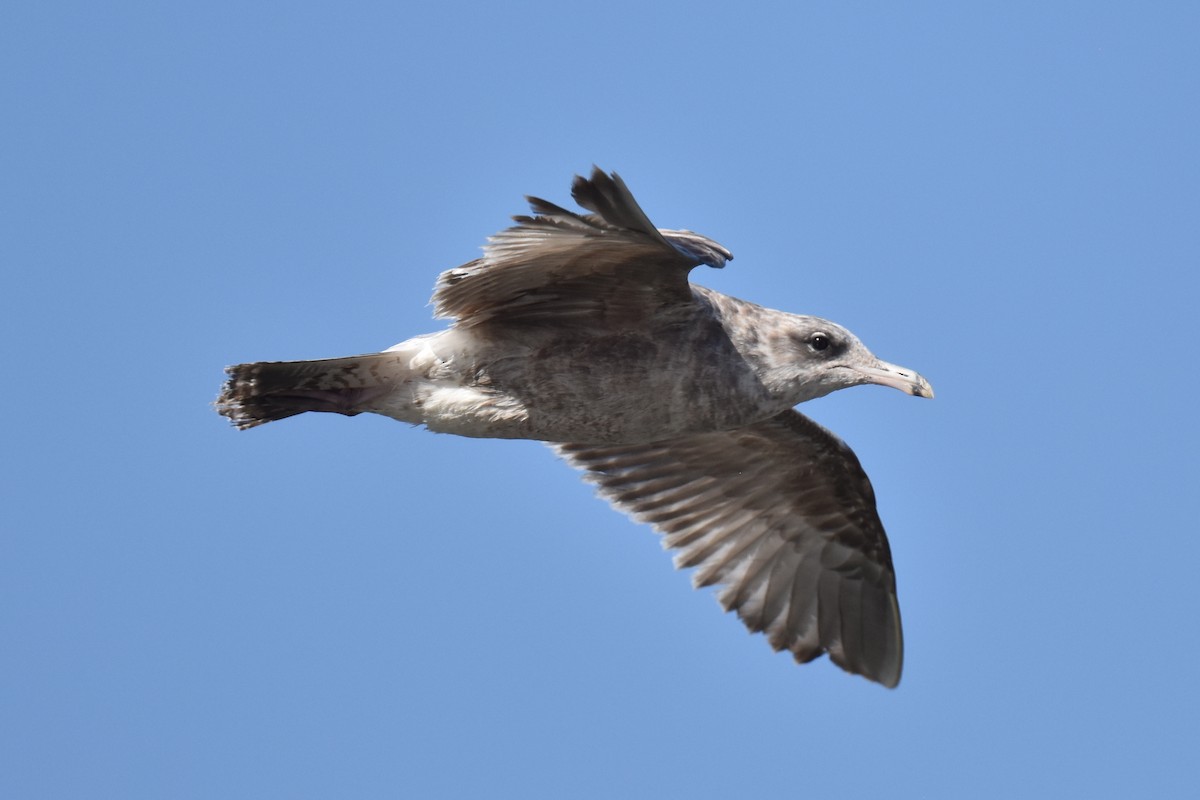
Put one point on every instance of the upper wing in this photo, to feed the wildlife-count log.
(782, 515)
(563, 267)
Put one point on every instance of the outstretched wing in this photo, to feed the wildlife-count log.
(561, 268)
(782, 516)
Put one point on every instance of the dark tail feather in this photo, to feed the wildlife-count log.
(269, 390)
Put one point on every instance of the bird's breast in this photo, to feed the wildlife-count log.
(627, 386)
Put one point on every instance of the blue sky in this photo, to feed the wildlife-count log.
(1002, 196)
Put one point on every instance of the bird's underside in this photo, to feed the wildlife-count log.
(584, 331)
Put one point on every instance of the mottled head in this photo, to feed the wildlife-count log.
(814, 357)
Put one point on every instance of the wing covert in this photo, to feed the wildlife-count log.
(560, 267)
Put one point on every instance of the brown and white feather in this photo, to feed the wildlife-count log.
(781, 515)
(562, 268)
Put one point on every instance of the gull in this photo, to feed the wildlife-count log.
(584, 331)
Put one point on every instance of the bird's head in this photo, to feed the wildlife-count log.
(823, 357)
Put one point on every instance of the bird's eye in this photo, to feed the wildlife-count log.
(819, 341)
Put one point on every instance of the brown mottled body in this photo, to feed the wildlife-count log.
(583, 331)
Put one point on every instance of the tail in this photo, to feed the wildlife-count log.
(269, 390)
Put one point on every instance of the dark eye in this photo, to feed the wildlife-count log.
(819, 341)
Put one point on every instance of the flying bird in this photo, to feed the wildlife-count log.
(584, 331)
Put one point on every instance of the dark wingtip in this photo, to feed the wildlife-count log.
(607, 196)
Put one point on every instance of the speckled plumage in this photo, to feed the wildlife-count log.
(585, 332)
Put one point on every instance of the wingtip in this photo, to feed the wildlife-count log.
(607, 196)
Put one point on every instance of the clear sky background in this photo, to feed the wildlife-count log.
(1004, 196)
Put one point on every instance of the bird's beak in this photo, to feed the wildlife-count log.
(906, 380)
